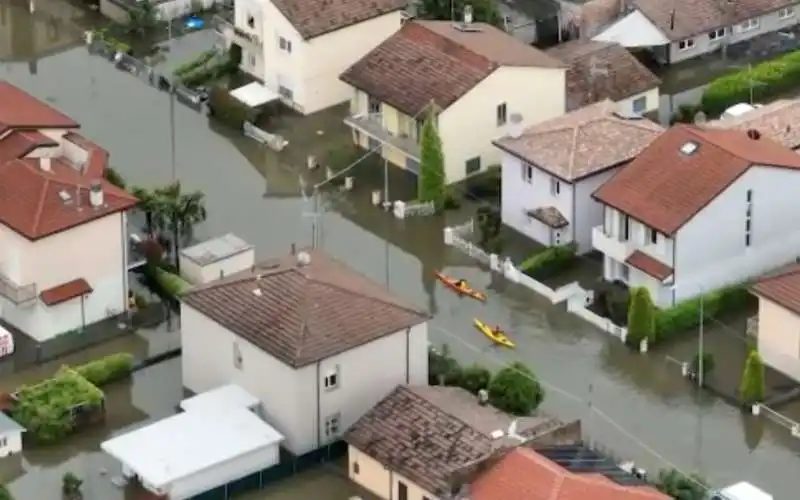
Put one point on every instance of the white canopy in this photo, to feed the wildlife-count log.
(254, 94)
(222, 398)
(633, 30)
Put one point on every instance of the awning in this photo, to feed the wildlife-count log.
(65, 291)
(254, 94)
(633, 30)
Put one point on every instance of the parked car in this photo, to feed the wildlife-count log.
(741, 491)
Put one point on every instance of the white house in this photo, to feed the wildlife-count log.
(551, 170)
(10, 436)
(698, 210)
(317, 343)
(299, 49)
(63, 228)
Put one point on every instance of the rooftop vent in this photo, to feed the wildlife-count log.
(497, 434)
(257, 292)
(65, 196)
(754, 134)
(303, 259)
(689, 148)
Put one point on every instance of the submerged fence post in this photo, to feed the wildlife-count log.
(448, 236)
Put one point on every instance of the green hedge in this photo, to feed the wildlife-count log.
(108, 369)
(549, 261)
(767, 79)
(192, 65)
(208, 72)
(686, 315)
(171, 283)
(229, 110)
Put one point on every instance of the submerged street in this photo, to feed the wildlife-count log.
(637, 405)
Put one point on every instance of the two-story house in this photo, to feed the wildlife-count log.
(775, 121)
(475, 78)
(681, 30)
(317, 343)
(299, 49)
(698, 210)
(551, 170)
(63, 228)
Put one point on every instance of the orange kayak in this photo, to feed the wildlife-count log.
(464, 289)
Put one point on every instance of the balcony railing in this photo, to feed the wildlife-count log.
(227, 29)
(612, 246)
(15, 292)
(372, 125)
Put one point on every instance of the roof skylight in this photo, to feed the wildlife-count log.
(689, 148)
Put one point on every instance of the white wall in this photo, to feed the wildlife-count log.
(281, 67)
(197, 274)
(588, 212)
(652, 98)
(10, 443)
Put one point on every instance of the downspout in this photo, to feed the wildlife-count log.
(83, 313)
(123, 231)
(674, 266)
(572, 222)
(391, 484)
(408, 355)
(319, 409)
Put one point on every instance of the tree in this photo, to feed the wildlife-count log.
(709, 363)
(142, 19)
(150, 204)
(475, 378)
(181, 213)
(443, 369)
(431, 168)
(483, 11)
(641, 317)
(114, 177)
(681, 487)
(752, 387)
(515, 390)
(71, 486)
(5, 494)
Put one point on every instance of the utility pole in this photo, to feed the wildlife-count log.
(171, 112)
(700, 367)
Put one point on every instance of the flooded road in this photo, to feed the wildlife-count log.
(255, 194)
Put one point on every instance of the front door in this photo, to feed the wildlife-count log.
(412, 165)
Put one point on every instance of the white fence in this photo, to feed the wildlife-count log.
(402, 210)
(780, 419)
(275, 142)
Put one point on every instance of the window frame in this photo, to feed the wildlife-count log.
(472, 161)
(786, 13)
(643, 100)
(686, 44)
(718, 34)
(502, 114)
(749, 25)
(555, 186)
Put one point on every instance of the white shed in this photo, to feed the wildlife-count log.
(222, 398)
(216, 258)
(10, 436)
(192, 452)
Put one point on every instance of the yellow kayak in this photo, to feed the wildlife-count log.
(497, 338)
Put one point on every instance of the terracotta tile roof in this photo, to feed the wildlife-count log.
(582, 142)
(783, 288)
(779, 120)
(20, 110)
(19, 144)
(432, 62)
(694, 17)
(524, 474)
(313, 18)
(624, 76)
(65, 291)
(426, 432)
(664, 188)
(549, 216)
(301, 314)
(649, 265)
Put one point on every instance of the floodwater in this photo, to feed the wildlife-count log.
(635, 404)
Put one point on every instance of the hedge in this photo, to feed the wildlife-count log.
(229, 110)
(549, 261)
(172, 284)
(192, 65)
(767, 79)
(108, 369)
(209, 72)
(686, 315)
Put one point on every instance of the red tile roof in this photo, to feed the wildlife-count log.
(665, 188)
(308, 19)
(20, 110)
(783, 288)
(65, 291)
(649, 265)
(524, 474)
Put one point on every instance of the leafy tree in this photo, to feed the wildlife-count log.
(681, 487)
(515, 390)
(483, 11)
(142, 19)
(443, 369)
(709, 363)
(71, 486)
(431, 170)
(114, 177)
(149, 203)
(475, 378)
(5, 494)
(181, 212)
(641, 317)
(752, 387)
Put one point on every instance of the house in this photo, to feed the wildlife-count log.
(10, 436)
(697, 210)
(607, 70)
(298, 53)
(475, 78)
(63, 228)
(677, 31)
(776, 120)
(317, 343)
(778, 325)
(216, 258)
(551, 170)
(559, 472)
(409, 445)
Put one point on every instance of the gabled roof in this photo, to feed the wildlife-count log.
(685, 169)
(20, 110)
(778, 120)
(583, 142)
(782, 287)
(313, 18)
(301, 313)
(435, 63)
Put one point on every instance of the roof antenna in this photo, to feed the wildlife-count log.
(78, 198)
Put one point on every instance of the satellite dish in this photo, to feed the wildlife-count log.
(700, 118)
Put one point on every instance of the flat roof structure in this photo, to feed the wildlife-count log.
(216, 249)
(224, 398)
(187, 443)
(254, 94)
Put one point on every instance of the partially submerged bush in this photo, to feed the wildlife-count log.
(108, 369)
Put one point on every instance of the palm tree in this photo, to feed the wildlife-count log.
(153, 208)
(681, 487)
(181, 212)
(142, 19)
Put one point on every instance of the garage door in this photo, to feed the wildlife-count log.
(412, 165)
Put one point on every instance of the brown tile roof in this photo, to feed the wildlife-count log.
(664, 188)
(549, 216)
(649, 265)
(524, 474)
(426, 432)
(583, 142)
(432, 62)
(601, 70)
(694, 17)
(779, 120)
(20, 110)
(783, 288)
(65, 291)
(313, 18)
(301, 314)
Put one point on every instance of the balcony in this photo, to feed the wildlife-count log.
(372, 125)
(611, 245)
(16, 293)
(232, 33)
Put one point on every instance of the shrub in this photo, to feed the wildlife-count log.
(209, 71)
(5, 494)
(229, 110)
(641, 317)
(549, 261)
(709, 363)
(71, 486)
(485, 185)
(764, 80)
(686, 315)
(432, 177)
(114, 177)
(752, 387)
(681, 487)
(199, 61)
(171, 283)
(515, 390)
(475, 378)
(108, 369)
(443, 369)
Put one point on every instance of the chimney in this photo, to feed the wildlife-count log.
(44, 163)
(467, 15)
(294, 249)
(515, 125)
(754, 134)
(96, 195)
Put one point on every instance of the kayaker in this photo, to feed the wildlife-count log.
(461, 284)
(496, 330)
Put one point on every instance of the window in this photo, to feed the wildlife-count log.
(786, 13)
(402, 491)
(473, 165)
(237, 356)
(653, 235)
(527, 173)
(3, 441)
(717, 34)
(252, 61)
(333, 425)
(640, 105)
(749, 25)
(332, 379)
(374, 106)
(285, 45)
(748, 219)
(625, 272)
(686, 44)
(555, 186)
(285, 92)
(502, 114)
(251, 21)
(557, 238)
(626, 228)
(355, 468)
(749, 196)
